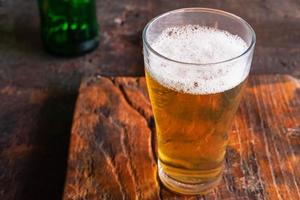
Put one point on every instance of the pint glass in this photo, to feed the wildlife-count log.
(197, 62)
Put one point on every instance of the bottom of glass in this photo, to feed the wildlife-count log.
(187, 188)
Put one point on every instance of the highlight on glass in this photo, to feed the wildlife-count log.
(197, 61)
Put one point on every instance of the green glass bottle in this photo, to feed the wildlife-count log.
(69, 27)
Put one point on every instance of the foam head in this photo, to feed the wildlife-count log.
(201, 45)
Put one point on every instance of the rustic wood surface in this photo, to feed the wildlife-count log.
(112, 148)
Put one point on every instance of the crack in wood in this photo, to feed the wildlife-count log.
(249, 115)
(267, 150)
(149, 124)
(124, 145)
(284, 97)
(123, 127)
(112, 165)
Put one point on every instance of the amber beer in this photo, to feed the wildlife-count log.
(192, 131)
(197, 62)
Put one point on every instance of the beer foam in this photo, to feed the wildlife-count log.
(202, 45)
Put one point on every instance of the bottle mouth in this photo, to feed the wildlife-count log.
(203, 10)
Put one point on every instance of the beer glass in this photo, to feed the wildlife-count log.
(194, 100)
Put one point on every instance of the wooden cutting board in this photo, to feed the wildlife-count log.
(112, 150)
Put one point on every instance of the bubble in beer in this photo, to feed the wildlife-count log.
(196, 50)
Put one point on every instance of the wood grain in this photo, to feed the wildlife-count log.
(112, 149)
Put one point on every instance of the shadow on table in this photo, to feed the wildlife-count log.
(46, 169)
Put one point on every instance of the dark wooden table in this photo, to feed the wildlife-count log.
(38, 91)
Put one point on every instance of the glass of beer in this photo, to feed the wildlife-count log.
(197, 61)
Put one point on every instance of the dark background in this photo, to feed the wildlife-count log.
(38, 91)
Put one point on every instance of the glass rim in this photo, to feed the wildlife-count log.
(200, 9)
